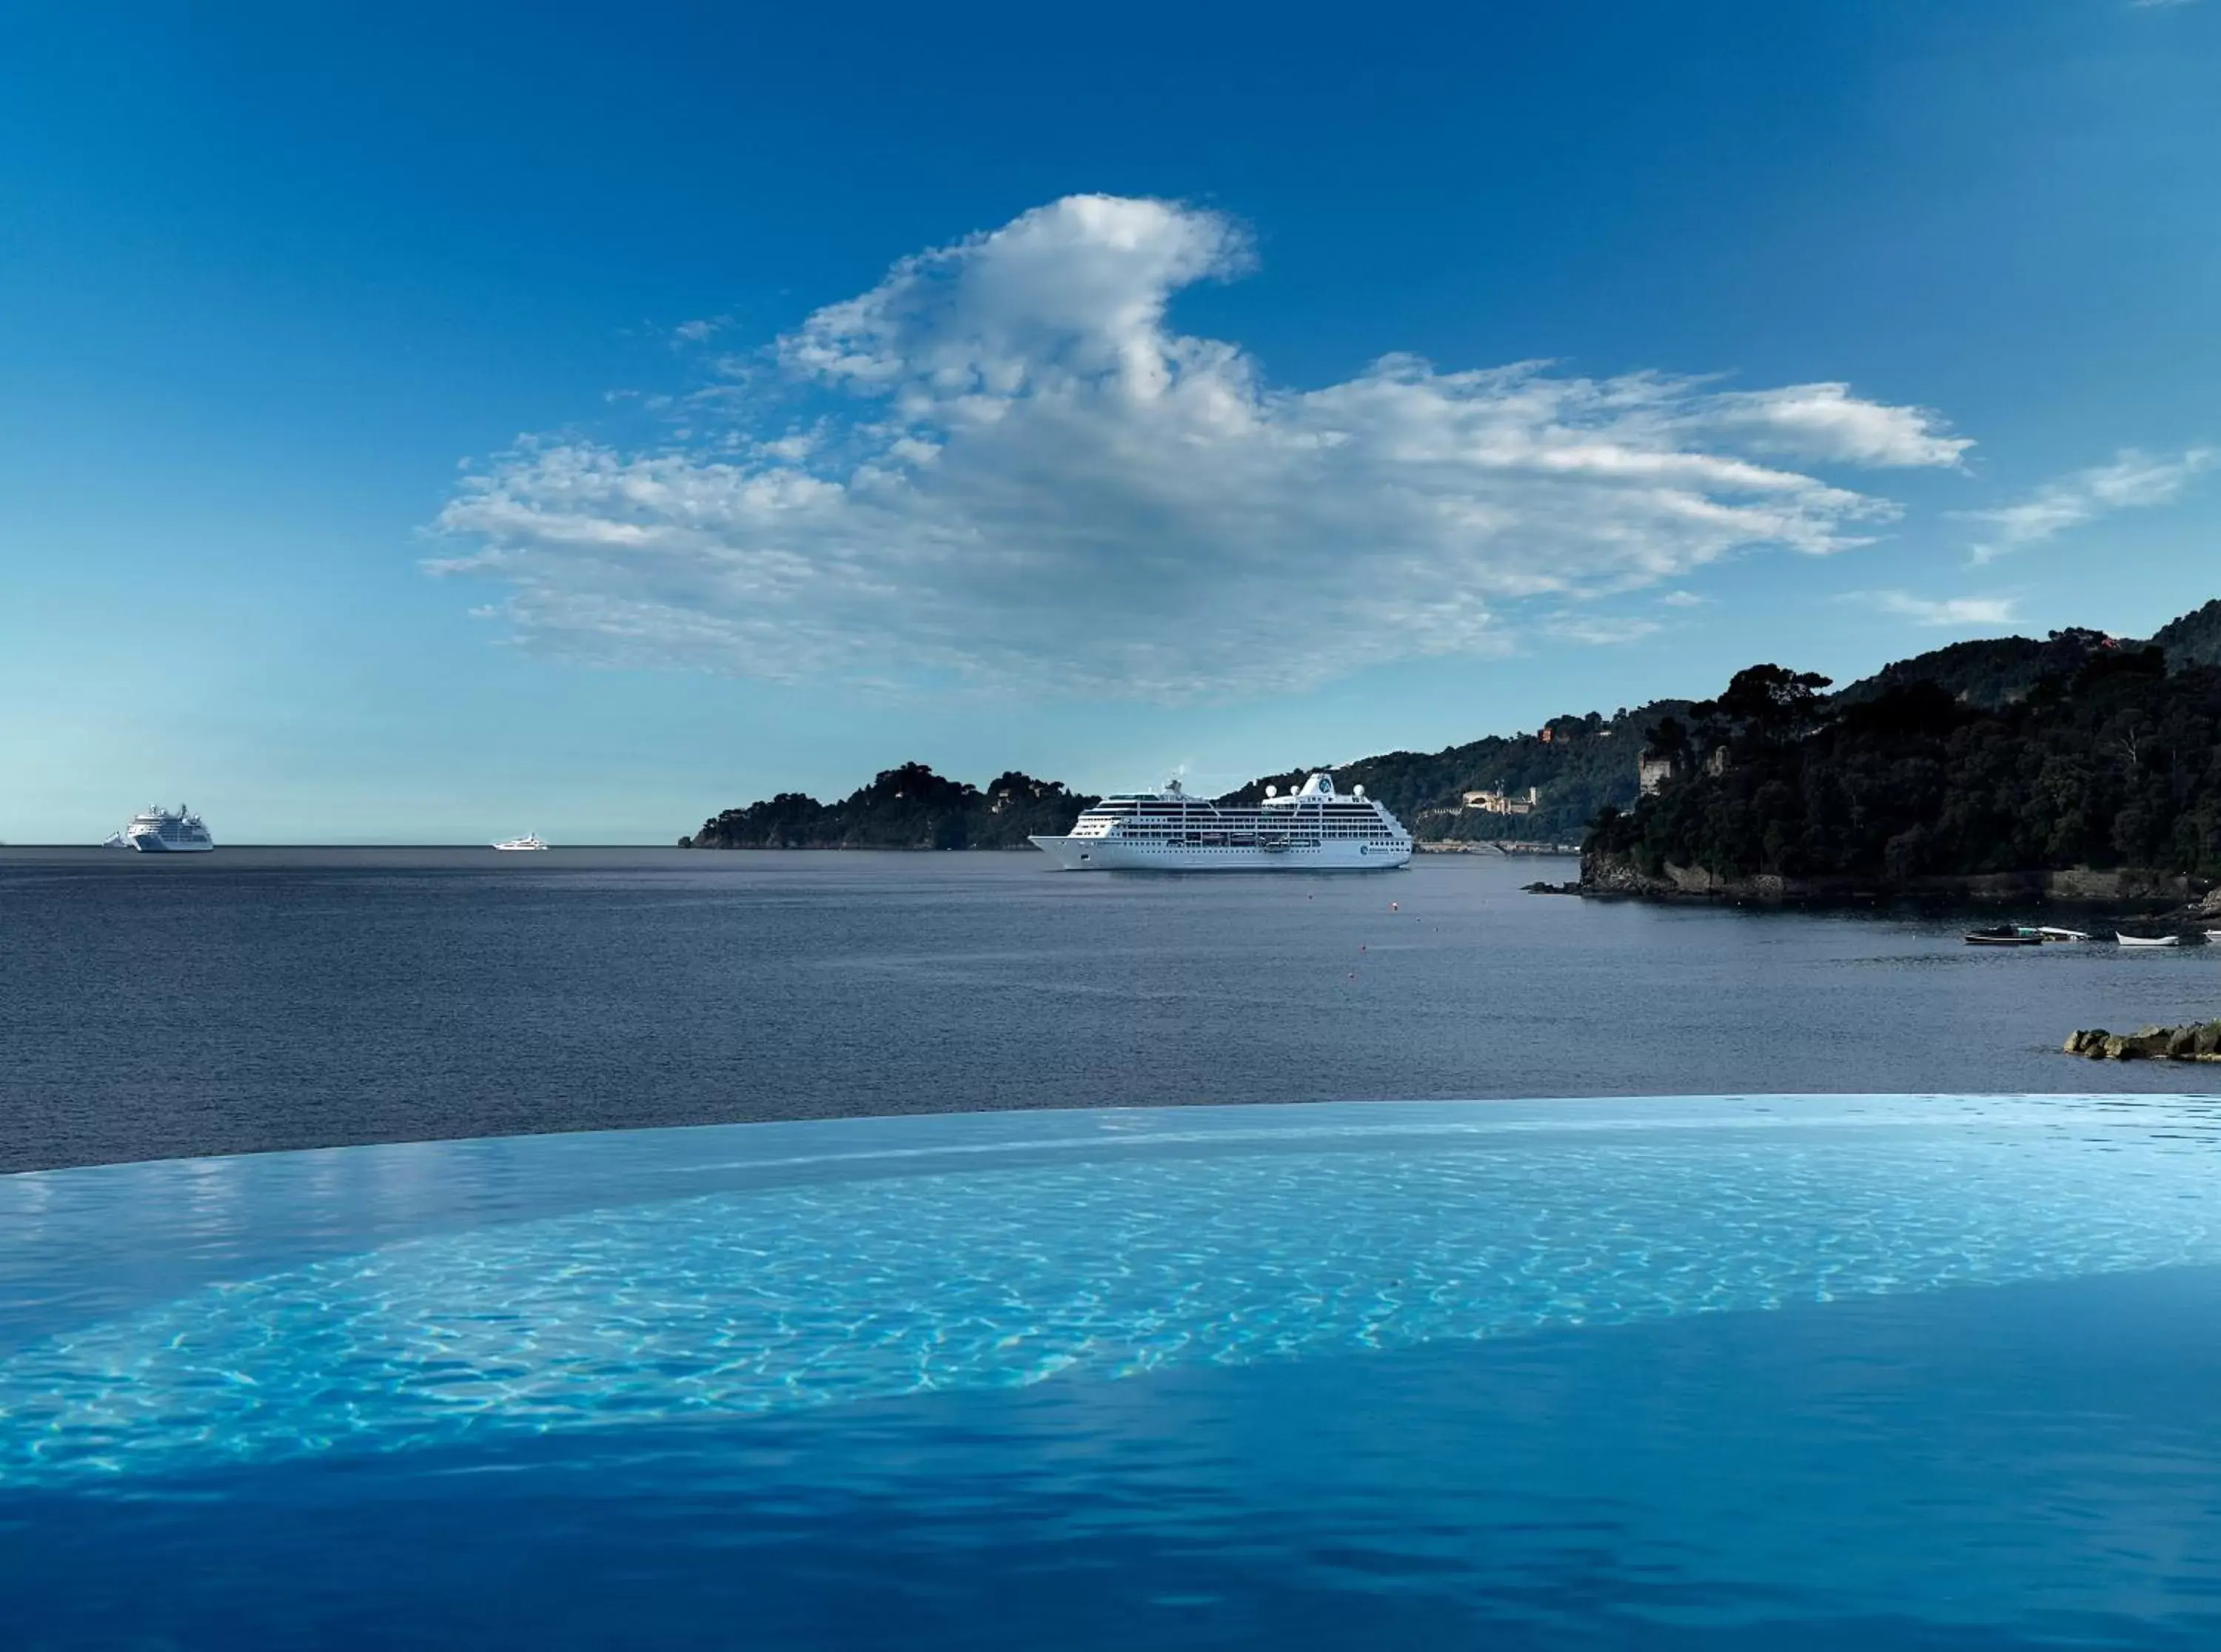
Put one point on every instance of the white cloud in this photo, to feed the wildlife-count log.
(1002, 465)
(2132, 481)
(1944, 611)
(1827, 422)
(1684, 600)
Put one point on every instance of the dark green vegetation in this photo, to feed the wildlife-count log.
(1998, 670)
(1578, 765)
(1959, 763)
(2195, 638)
(909, 808)
(1990, 673)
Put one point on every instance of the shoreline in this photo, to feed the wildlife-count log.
(2159, 895)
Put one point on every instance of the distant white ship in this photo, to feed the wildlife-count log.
(529, 842)
(1316, 829)
(156, 830)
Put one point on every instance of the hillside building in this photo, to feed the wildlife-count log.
(1502, 802)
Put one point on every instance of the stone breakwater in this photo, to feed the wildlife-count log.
(2199, 1041)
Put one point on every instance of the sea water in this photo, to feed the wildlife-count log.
(255, 999)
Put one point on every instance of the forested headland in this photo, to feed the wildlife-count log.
(908, 808)
(1981, 760)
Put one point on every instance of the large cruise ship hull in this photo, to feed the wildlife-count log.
(1117, 855)
(147, 843)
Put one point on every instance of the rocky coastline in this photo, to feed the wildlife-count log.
(2198, 1041)
(2161, 896)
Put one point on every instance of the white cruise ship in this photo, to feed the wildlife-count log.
(155, 831)
(1316, 829)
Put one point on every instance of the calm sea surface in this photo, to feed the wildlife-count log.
(260, 999)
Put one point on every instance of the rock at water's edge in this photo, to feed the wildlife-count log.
(2198, 1041)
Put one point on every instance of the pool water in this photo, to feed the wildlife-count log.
(1834, 1371)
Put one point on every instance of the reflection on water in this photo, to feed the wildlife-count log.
(857, 1261)
(1825, 1373)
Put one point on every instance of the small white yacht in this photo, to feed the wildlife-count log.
(526, 845)
(157, 831)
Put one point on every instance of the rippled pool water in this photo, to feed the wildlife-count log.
(1848, 1370)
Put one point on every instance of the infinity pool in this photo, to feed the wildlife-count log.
(1740, 1372)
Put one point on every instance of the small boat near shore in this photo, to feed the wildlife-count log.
(2147, 940)
(2051, 936)
(2005, 935)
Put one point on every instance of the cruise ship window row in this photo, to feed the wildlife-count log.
(1214, 839)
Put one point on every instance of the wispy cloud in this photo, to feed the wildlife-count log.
(1003, 464)
(1826, 421)
(1941, 611)
(1599, 630)
(1684, 600)
(2131, 481)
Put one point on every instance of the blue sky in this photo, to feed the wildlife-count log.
(423, 423)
